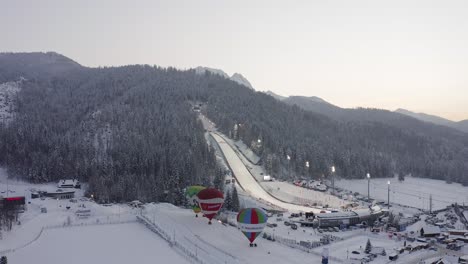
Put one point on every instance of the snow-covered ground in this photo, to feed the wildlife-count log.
(59, 234)
(218, 243)
(117, 244)
(414, 192)
(111, 235)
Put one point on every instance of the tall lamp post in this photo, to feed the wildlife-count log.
(333, 179)
(368, 187)
(289, 166)
(388, 185)
(307, 166)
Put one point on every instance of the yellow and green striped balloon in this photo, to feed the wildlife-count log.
(191, 194)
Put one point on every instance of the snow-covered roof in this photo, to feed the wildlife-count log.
(430, 230)
(68, 182)
(336, 215)
(363, 212)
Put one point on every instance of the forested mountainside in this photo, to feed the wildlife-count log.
(460, 125)
(131, 133)
(354, 147)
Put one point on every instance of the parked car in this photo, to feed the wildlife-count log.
(286, 223)
(294, 226)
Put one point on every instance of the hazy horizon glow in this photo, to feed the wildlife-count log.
(380, 54)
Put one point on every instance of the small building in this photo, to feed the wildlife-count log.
(12, 203)
(393, 256)
(337, 219)
(136, 204)
(83, 213)
(463, 259)
(60, 194)
(430, 231)
(455, 232)
(69, 184)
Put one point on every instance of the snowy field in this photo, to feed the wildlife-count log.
(412, 192)
(116, 244)
(218, 243)
(111, 235)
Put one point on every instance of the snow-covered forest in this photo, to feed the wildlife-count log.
(132, 134)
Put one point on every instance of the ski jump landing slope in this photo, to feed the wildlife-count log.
(249, 184)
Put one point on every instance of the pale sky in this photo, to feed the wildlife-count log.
(382, 54)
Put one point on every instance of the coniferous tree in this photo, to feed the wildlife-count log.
(368, 248)
(235, 200)
(228, 201)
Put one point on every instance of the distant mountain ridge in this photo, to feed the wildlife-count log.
(236, 77)
(34, 65)
(318, 105)
(462, 125)
(276, 96)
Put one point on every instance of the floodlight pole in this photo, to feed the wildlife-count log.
(388, 184)
(368, 186)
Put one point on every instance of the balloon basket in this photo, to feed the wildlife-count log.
(196, 215)
(209, 222)
(251, 245)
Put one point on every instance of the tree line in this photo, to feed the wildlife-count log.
(130, 132)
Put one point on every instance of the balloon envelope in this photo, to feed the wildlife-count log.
(251, 222)
(191, 194)
(210, 200)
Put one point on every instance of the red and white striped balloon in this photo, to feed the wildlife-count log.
(210, 200)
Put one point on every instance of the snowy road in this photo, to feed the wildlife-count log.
(249, 184)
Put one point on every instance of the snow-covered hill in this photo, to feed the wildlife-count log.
(236, 77)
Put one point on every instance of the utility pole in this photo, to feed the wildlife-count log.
(388, 183)
(430, 203)
(368, 187)
(333, 179)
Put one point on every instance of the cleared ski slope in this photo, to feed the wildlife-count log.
(249, 184)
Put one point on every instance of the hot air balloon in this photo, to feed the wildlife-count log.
(191, 194)
(251, 222)
(210, 200)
